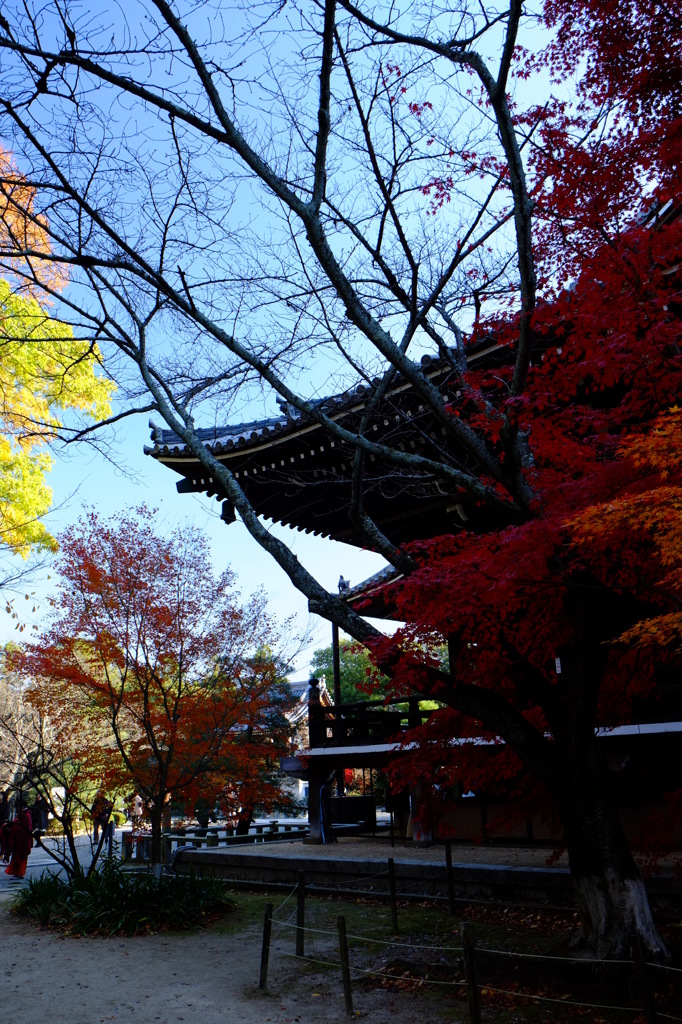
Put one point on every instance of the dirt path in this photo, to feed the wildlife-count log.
(203, 978)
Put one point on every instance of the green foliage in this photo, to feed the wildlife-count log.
(117, 902)
(359, 678)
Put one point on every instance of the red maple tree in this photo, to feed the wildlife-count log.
(561, 623)
(591, 578)
(151, 645)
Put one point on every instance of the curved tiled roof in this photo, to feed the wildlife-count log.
(241, 435)
(296, 473)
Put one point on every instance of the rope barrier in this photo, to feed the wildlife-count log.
(406, 945)
(459, 949)
(366, 938)
(284, 924)
(308, 928)
(401, 977)
(375, 974)
(543, 956)
(571, 959)
(665, 967)
(368, 972)
(405, 894)
(563, 1002)
(317, 889)
(362, 878)
(284, 901)
(310, 960)
(360, 971)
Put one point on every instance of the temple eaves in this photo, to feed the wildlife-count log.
(294, 472)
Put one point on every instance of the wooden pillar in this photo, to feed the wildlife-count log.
(316, 776)
(316, 724)
(420, 833)
(316, 780)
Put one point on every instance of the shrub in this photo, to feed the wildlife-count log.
(44, 900)
(114, 902)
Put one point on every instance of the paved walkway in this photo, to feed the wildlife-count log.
(39, 861)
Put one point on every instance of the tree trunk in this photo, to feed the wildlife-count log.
(156, 818)
(244, 823)
(611, 898)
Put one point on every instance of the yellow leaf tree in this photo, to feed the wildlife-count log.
(44, 372)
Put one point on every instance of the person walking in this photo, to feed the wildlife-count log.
(101, 814)
(5, 818)
(136, 810)
(20, 841)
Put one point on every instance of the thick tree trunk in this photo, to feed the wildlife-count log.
(611, 898)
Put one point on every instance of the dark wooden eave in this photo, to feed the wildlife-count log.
(293, 472)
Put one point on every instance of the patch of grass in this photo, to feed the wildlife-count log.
(117, 902)
(248, 911)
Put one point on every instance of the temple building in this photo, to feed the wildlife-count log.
(293, 472)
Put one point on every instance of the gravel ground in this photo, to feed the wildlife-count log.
(203, 977)
(200, 976)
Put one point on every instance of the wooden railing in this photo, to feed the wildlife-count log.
(137, 845)
(361, 723)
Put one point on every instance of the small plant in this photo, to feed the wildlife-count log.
(43, 900)
(114, 902)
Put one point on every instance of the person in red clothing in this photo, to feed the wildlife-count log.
(20, 841)
(5, 815)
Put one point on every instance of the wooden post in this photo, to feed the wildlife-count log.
(451, 880)
(265, 952)
(317, 730)
(300, 915)
(345, 968)
(644, 982)
(392, 892)
(469, 944)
